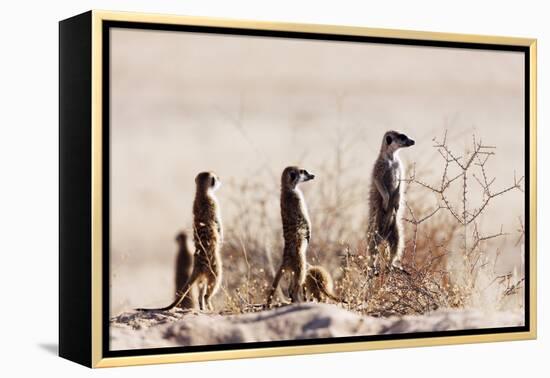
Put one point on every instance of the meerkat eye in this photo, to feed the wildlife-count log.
(388, 139)
(213, 181)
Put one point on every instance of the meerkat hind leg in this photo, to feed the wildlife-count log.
(275, 284)
(211, 288)
(396, 250)
(373, 257)
(202, 295)
(295, 289)
(317, 294)
(296, 283)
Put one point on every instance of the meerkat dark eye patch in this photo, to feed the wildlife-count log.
(212, 181)
(388, 139)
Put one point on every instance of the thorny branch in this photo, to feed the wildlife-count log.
(466, 165)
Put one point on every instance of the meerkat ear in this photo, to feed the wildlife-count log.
(388, 139)
(293, 176)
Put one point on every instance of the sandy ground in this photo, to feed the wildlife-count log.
(134, 330)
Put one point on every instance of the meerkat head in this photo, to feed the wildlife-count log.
(181, 238)
(207, 181)
(292, 176)
(394, 140)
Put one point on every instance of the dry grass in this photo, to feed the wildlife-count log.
(452, 264)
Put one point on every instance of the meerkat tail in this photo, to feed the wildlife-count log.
(184, 291)
(170, 306)
(325, 291)
(275, 285)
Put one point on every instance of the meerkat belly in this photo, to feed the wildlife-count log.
(392, 177)
(297, 229)
(303, 218)
(302, 248)
(297, 240)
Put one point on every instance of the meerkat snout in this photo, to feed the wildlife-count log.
(306, 176)
(292, 176)
(397, 140)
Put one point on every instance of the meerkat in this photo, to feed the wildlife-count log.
(208, 239)
(184, 268)
(385, 196)
(296, 231)
(318, 284)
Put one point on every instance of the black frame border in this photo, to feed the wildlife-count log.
(107, 25)
(75, 182)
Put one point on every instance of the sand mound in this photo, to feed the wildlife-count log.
(301, 321)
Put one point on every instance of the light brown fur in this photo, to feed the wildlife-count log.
(319, 285)
(296, 231)
(385, 195)
(208, 238)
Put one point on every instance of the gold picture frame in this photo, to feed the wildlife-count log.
(82, 328)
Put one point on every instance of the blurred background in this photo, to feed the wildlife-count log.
(246, 107)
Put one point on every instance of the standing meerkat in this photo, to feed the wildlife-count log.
(296, 231)
(208, 238)
(318, 284)
(386, 192)
(184, 268)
